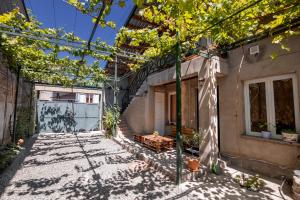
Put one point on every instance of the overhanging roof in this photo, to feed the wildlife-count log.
(55, 88)
(134, 21)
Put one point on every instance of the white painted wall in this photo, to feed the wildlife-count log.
(96, 98)
(81, 98)
(45, 95)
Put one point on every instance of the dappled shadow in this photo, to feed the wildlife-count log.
(85, 170)
(54, 119)
(138, 181)
(9, 173)
(222, 187)
(166, 159)
(106, 171)
(208, 186)
(34, 184)
(67, 117)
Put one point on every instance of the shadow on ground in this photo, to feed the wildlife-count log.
(92, 167)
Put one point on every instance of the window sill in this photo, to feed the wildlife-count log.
(271, 140)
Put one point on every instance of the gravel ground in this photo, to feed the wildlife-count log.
(82, 167)
(89, 166)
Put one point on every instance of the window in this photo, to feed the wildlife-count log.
(273, 102)
(89, 98)
(172, 108)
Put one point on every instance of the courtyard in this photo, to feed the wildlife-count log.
(143, 99)
(89, 166)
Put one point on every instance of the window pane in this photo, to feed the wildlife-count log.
(258, 110)
(284, 104)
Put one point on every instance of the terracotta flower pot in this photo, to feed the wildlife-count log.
(193, 164)
(20, 142)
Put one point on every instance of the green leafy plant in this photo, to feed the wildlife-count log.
(40, 59)
(193, 141)
(215, 168)
(198, 19)
(263, 126)
(155, 133)
(111, 120)
(290, 131)
(186, 140)
(23, 125)
(253, 183)
(7, 154)
(196, 139)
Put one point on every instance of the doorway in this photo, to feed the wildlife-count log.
(159, 117)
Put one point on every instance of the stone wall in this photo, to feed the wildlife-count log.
(7, 94)
(8, 82)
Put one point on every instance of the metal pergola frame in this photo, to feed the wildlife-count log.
(101, 49)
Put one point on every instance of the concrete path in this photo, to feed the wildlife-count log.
(89, 166)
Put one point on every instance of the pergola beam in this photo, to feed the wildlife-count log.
(66, 42)
(141, 19)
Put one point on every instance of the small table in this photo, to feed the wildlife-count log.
(157, 142)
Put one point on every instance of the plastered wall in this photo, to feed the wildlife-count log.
(243, 67)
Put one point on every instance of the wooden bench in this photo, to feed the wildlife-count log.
(185, 131)
(157, 142)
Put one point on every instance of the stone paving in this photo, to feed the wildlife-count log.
(89, 166)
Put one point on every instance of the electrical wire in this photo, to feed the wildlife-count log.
(30, 5)
(65, 42)
(75, 21)
(232, 15)
(54, 13)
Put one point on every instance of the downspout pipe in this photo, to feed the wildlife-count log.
(30, 112)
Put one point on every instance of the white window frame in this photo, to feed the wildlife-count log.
(270, 106)
(169, 107)
(89, 97)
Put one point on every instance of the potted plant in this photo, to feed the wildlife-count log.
(253, 183)
(265, 133)
(289, 135)
(111, 120)
(20, 142)
(155, 133)
(193, 143)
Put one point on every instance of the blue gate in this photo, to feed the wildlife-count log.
(66, 117)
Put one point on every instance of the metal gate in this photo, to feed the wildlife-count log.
(62, 117)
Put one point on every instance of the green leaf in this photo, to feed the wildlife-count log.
(274, 55)
(122, 3)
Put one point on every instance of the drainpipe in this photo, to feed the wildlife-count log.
(30, 112)
(16, 104)
(218, 118)
(115, 95)
(115, 82)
